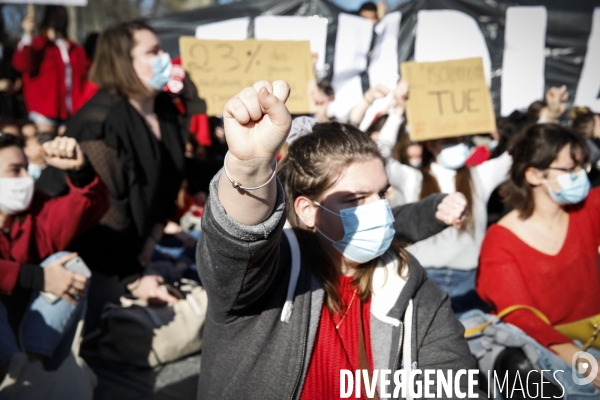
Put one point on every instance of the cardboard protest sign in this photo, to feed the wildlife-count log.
(448, 98)
(50, 2)
(220, 69)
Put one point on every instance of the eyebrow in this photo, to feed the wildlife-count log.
(360, 192)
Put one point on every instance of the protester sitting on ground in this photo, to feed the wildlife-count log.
(544, 253)
(368, 10)
(552, 107)
(586, 124)
(323, 97)
(11, 127)
(51, 64)
(33, 228)
(450, 257)
(10, 81)
(245, 264)
(131, 133)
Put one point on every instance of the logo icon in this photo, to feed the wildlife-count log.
(584, 368)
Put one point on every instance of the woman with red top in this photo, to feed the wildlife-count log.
(290, 310)
(54, 70)
(544, 253)
(34, 227)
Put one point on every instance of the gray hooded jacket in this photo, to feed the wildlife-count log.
(249, 352)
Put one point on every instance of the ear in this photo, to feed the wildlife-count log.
(533, 176)
(306, 210)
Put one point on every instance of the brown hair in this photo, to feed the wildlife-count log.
(537, 147)
(582, 119)
(462, 183)
(112, 69)
(377, 124)
(314, 163)
(535, 108)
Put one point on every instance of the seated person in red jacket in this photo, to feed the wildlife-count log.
(33, 228)
(544, 253)
(53, 65)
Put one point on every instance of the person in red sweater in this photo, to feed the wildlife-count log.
(33, 227)
(54, 70)
(544, 253)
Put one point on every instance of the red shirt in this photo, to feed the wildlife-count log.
(337, 349)
(43, 72)
(565, 287)
(50, 225)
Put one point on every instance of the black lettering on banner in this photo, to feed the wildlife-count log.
(253, 56)
(439, 99)
(470, 100)
(198, 51)
(227, 55)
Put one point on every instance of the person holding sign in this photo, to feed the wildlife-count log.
(131, 133)
(54, 70)
(288, 309)
(451, 256)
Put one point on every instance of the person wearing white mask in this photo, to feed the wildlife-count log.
(289, 309)
(450, 257)
(34, 228)
(131, 132)
(544, 255)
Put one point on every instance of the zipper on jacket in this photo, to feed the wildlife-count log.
(302, 363)
(395, 365)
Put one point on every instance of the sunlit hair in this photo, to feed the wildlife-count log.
(537, 147)
(582, 120)
(315, 163)
(462, 183)
(112, 69)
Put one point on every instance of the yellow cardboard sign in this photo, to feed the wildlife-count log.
(221, 68)
(448, 98)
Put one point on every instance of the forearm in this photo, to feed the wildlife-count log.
(417, 221)
(388, 136)
(248, 207)
(566, 351)
(358, 111)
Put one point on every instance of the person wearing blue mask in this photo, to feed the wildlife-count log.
(451, 256)
(130, 132)
(289, 308)
(544, 253)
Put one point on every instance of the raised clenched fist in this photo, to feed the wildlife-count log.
(63, 153)
(257, 122)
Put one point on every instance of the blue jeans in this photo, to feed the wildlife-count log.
(460, 286)
(46, 329)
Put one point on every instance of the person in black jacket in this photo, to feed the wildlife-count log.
(130, 132)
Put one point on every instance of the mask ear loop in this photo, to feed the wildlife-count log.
(328, 210)
(545, 183)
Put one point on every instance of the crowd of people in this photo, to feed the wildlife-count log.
(322, 247)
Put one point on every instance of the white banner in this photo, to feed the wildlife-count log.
(588, 90)
(230, 29)
(313, 29)
(523, 61)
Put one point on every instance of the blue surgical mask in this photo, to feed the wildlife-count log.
(35, 171)
(574, 188)
(454, 156)
(161, 71)
(368, 231)
(415, 164)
